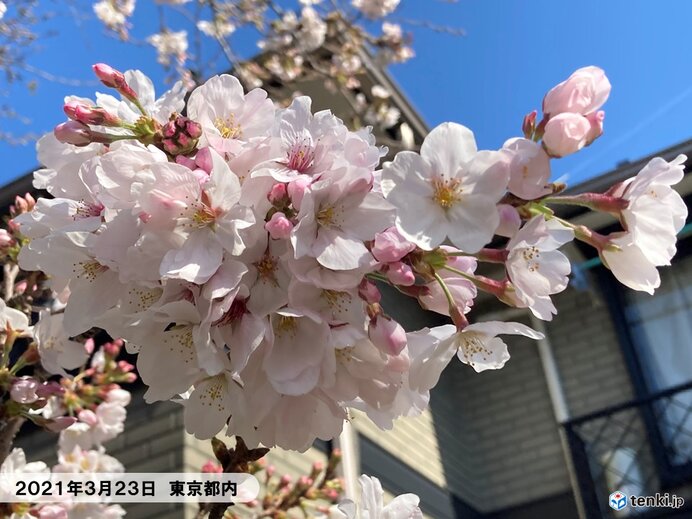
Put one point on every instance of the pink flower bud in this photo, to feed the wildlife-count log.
(305, 481)
(181, 135)
(277, 195)
(129, 378)
(565, 134)
(73, 132)
(285, 480)
(279, 227)
(112, 349)
(296, 190)
(30, 200)
(52, 512)
(529, 124)
(20, 205)
(13, 226)
(89, 345)
(510, 221)
(318, 466)
(125, 366)
(387, 335)
(596, 121)
(21, 286)
(368, 291)
(70, 109)
(331, 494)
(60, 423)
(23, 390)
(211, 467)
(270, 470)
(193, 129)
(583, 92)
(391, 246)
(6, 239)
(92, 115)
(114, 79)
(401, 274)
(88, 417)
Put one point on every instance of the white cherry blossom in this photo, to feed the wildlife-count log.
(535, 266)
(479, 346)
(448, 191)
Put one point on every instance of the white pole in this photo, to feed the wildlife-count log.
(559, 402)
(347, 442)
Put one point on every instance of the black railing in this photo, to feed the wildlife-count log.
(641, 447)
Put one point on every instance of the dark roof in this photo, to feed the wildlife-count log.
(628, 169)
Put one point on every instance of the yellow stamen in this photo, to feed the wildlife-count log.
(228, 128)
(446, 192)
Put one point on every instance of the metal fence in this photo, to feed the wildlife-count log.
(641, 448)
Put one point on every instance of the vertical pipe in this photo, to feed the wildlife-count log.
(350, 464)
(560, 408)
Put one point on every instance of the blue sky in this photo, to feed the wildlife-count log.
(512, 53)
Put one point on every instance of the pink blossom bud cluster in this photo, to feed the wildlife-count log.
(283, 495)
(241, 267)
(572, 115)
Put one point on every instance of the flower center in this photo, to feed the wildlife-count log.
(203, 216)
(325, 215)
(301, 156)
(446, 192)
(531, 255)
(213, 396)
(179, 339)
(266, 266)
(336, 301)
(88, 270)
(471, 343)
(344, 354)
(286, 325)
(237, 310)
(87, 210)
(228, 127)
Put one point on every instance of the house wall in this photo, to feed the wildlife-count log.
(499, 439)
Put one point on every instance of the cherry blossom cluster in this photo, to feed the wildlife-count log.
(239, 249)
(87, 410)
(317, 495)
(77, 462)
(61, 384)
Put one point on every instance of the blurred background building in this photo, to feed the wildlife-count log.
(603, 403)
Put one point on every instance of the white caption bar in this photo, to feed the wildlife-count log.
(133, 487)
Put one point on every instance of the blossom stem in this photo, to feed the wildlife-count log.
(594, 201)
(445, 289)
(457, 316)
(378, 277)
(486, 254)
(491, 286)
(586, 235)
